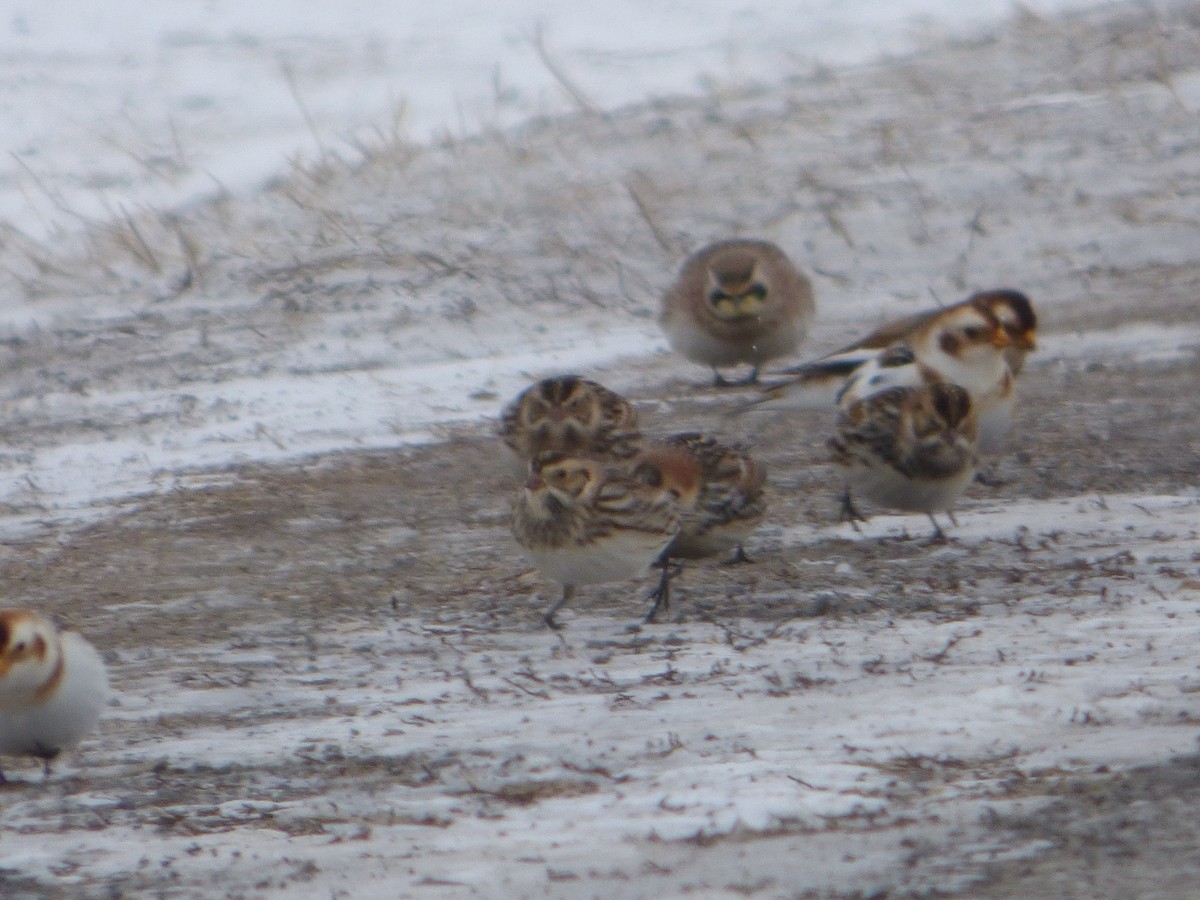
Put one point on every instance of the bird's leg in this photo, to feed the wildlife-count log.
(45, 754)
(567, 594)
(662, 594)
(850, 512)
(939, 536)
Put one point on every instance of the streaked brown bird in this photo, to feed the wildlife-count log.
(729, 505)
(569, 414)
(583, 520)
(908, 448)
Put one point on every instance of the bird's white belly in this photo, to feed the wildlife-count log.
(614, 558)
(70, 713)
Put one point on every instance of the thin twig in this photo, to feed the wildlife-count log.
(660, 237)
(538, 40)
(289, 76)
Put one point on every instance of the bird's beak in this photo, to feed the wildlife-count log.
(1025, 340)
(1000, 338)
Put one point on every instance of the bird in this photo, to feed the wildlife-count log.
(53, 686)
(586, 520)
(1011, 308)
(908, 448)
(728, 507)
(963, 345)
(822, 378)
(737, 301)
(569, 414)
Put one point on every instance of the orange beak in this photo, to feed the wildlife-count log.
(1025, 340)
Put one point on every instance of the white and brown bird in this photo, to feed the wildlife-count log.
(737, 302)
(963, 345)
(1011, 308)
(572, 415)
(908, 448)
(728, 507)
(821, 379)
(53, 686)
(586, 520)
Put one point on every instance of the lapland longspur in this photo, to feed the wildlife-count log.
(53, 686)
(569, 414)
(586, 520)
(908, 448)
(728, 507)
(737, 301)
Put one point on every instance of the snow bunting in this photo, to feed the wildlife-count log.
(585, 520)
(908, 448)
(737, 301)
(1012, 309)
(824, 377)
(569, 414)
(962, 345)
(728, 505)
(52, 687)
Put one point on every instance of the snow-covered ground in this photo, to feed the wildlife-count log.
(247, 451)
(111, 107)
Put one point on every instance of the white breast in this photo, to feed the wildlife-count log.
(69, 714)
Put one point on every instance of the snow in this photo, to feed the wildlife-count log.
(667, 753)
(116, 106)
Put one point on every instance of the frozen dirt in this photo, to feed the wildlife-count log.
(249, 455)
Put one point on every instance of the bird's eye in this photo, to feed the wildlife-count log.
(19, 647)
(973, 332)
(649, 475)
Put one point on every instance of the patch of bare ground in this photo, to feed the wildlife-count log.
(1118, 835)
(424, 530)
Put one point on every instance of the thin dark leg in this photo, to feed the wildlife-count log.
(939, 536)
(850, 512)
(567, 594)
(662, 594)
